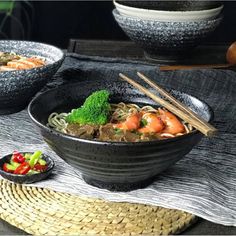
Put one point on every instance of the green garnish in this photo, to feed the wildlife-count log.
(42, 162)
(10, 167)
(27, 156)
(34, 158)
(15, 164)
(32, 172)
(117, 131)
(143, 123)
(94, 111)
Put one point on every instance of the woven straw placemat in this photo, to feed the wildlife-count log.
(40, 211)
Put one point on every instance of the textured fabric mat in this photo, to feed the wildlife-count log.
(202, 183)
(40, 211)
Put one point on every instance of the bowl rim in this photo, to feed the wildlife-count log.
(116, 143)
(35, 69)
(203, 22)
(52, 164)
(169, 13)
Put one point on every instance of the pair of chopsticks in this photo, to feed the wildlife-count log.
(176, 107)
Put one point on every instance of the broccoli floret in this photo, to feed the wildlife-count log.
(94, 111)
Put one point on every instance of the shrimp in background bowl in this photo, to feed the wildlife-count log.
(12, 61)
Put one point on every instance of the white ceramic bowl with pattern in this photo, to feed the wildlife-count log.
(166, 40)
(170, 16)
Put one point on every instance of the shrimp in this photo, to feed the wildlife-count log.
(17, 65)
(172, 123)
(132, 122)
(6, 68)
(25, 63)
(154, 123)
(36, 61)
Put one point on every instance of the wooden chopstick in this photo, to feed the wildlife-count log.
(206, 129)
(174, 101)
(188, 67)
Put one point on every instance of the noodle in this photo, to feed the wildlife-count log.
(121, 110)
(119, 113)
(57, 121)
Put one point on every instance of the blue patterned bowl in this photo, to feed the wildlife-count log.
(162, 39)
(18, 87)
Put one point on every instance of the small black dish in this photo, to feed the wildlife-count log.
(26, 179)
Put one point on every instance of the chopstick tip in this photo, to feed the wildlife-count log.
(121, 75)
(140, 74)
(212, 133)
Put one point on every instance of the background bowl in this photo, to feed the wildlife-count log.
(112, 165)
(161, 15)
(166, 40)
(26, 179)
(172, 5)
(18, 87)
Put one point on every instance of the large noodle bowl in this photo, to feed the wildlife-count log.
(127, 123)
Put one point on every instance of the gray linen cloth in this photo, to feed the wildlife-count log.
(202, 183)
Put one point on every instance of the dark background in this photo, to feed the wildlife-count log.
(55, 22)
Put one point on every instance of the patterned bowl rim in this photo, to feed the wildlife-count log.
(164, 15)
(116, 13)
(37, 69)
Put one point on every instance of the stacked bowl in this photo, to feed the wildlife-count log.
(168, 29)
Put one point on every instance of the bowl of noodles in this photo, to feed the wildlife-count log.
(25, 68)
(115, 136)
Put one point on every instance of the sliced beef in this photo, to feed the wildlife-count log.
(108, 133)
(84, 131)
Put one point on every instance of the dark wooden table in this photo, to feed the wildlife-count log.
(203, 54)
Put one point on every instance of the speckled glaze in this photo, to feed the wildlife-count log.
(168, 39)
(113, 165)
(18, 87)
(26, 179)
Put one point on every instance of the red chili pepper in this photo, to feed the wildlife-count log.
(18, 157)
(8, 168)
(39, 167)
(23, 169)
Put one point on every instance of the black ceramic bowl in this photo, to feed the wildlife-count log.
(166, 39)
(26, 179)
(113, 165)
(18, 87)
(172, 5)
